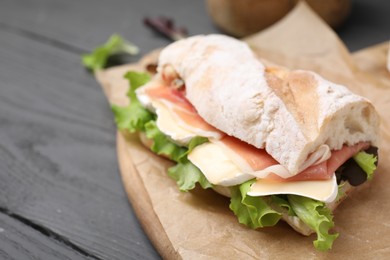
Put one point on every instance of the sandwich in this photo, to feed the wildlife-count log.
(281, 144)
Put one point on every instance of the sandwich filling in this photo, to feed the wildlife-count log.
(228, 161)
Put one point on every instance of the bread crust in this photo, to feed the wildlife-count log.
(288, 113)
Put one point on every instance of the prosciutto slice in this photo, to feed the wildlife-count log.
(179, 105)
(260, 160)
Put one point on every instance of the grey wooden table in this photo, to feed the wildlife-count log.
(61, 195)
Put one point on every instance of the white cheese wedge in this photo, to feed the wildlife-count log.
(219, 169)
(322, 154)
(216, 165)
(169, 123)
(324, 190)
(170, 126)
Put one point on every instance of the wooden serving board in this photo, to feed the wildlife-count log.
(199, 224)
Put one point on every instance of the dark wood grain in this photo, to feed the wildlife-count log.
(57, 135)
(85, 24)
(57, 152)
(19, 241)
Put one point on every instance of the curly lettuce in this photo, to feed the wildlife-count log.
(98, 58)
(317, 216)
(134, 116)
(367, 162)
(186, 174)
(162, 145)
(253, 212)
(136, 80)
(256, 212)
(280, 203)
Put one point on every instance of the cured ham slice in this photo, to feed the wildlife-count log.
(325, 170)
(249, 158)
(174, 99)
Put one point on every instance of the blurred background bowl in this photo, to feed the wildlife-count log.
(244, 17)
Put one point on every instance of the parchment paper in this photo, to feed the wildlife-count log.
(199, 224)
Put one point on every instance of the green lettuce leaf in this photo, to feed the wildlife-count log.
(341, 191)
(162, 145)
(97, 59)
(131, 118)
(187, 175)
(136, 79)
(281, 204)
(317, 216)
(367, 162)
(198, 140)
(253, 212)
(134, 116)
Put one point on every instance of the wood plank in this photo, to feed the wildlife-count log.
(19, 241)
(86, 24)
(58, 165)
